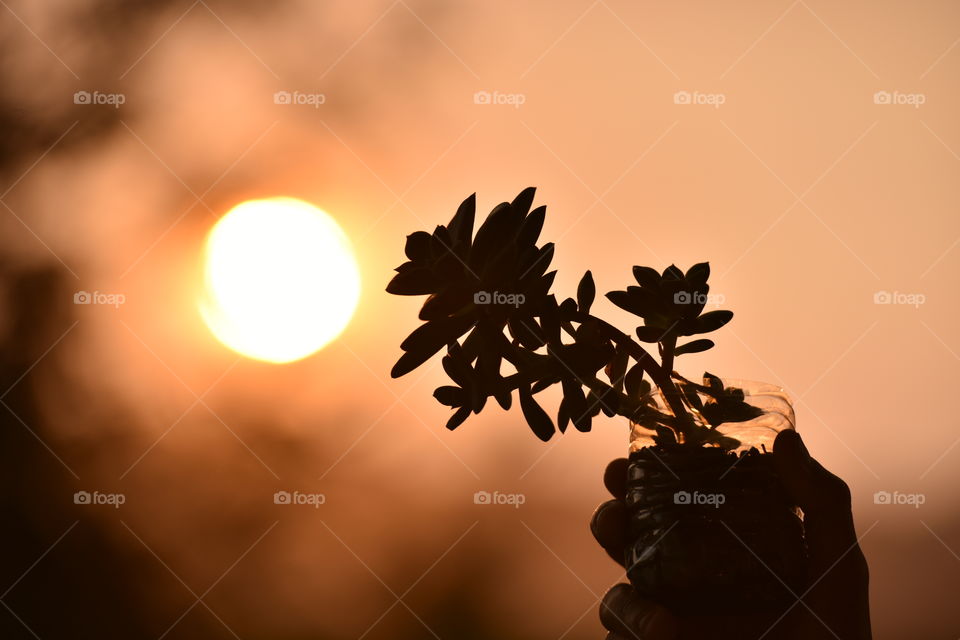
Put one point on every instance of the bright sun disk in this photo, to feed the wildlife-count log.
(280, 279)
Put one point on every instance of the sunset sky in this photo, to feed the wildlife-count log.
(808, 151)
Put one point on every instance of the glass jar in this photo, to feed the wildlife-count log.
(713, 530)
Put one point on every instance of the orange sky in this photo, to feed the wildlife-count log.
(806, 190)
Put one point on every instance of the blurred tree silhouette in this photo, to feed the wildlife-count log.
(65, 572)
(81, 583)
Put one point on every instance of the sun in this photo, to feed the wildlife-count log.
(280, 279)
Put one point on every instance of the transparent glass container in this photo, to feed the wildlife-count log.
(758, 433)
(712, 529)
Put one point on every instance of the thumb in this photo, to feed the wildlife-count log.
(817, 491)
(824, 498)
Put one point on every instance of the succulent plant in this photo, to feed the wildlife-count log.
(490, 301)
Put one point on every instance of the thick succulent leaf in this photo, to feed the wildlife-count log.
(572, 389)
(650, 334)
(539, 265)
(441, 244)
(729, 409)
(606, 398)
(426, 340)
(712, 381)
(540, 423)
(618, 368)
(568, 308)
(477, 400)
(650, 297)
(550, 320)
(504, 399)
(408, 362)
(691, 395)
(457, 367)
(544, 383)
(501, 265)
(712, 320)
(461, 225)
(449, 302)
(526, 331)
(437, 334)
(473, 344)
(450, 396)
(695, 346)
(672, 273)
(591, 352)
(697, 300)
(417, 247)
(495, 231)
(575, 401)
(627, 302)
(573, 357)
(646, 277)
(563, 417)
(698, 274)
(488, 367)
(412, 280)
(583, 422)
(632, 381)
(531, 227)
(538, 291)
(643, 302)
(517, 216)
(457, 419)
(524, 200)
(586, 292)
(487, 377)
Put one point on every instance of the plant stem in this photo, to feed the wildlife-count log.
(670, 391)
(659, 373)
(639, 354)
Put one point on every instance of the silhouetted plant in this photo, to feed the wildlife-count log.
(495, 284)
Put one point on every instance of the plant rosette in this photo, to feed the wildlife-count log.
(712, 528)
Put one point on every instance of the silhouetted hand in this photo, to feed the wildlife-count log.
(835, 607)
